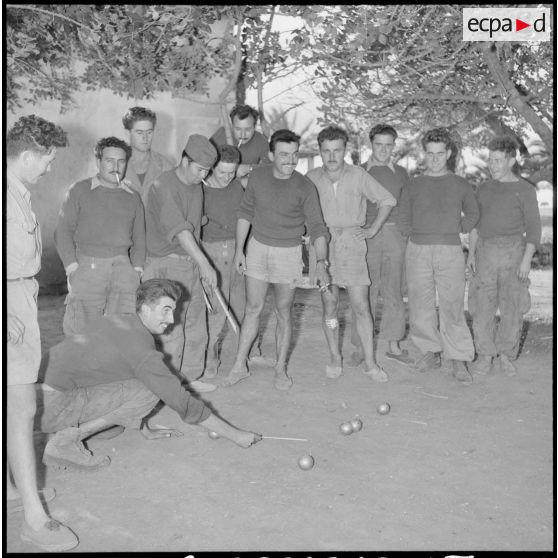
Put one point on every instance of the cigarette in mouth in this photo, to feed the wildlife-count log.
(239, 143)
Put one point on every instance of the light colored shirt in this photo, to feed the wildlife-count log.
(23, 234)
(345, 206)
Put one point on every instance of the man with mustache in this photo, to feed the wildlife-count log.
(100, 238)
(277, 206)
(112, 374)
(344, 190)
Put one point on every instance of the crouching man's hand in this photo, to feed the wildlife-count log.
(245, 439)
(242, 438)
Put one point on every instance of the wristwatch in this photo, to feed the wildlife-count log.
(325, 262)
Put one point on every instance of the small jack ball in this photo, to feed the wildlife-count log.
(213, 435)
(306, 462)
(346, 428)
(384, 408)
(356, 425)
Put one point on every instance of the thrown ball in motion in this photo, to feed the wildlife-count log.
(213, 435)
(356, 424)
(346, 428)
(306, 462)
(383, 408)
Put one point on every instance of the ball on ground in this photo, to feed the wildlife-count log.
(346, 428)
(356, 424)
(384, 408)
(213, 435)
(306, 462)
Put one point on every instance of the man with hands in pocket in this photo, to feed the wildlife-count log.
(100, 238)
(501, 247)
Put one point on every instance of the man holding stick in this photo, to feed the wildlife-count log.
(173, 220)
(112, 374)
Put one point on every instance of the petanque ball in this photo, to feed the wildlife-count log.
(384, 408)
(213, 435)
(306, 462)
(346, 428)
(356, 425)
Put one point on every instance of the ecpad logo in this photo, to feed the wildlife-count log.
(506, 24)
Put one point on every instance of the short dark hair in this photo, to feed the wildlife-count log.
(438, 135)
(333, 133)
(381, 129)
(228, 154)
(33, 133)
(244, 111)
(112, 142)
(284, 135)
(152, 290)
(506, 144)
(136, 114)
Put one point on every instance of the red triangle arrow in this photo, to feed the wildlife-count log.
(519, 25)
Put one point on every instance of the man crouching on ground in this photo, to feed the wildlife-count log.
(111, 374)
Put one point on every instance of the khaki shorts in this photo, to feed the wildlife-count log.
(24, 359)
(274, 264)
(347, 257)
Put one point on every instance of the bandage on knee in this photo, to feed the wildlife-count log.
(333, 323)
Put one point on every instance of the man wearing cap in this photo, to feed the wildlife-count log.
(173, 221)
(145, 164)
(100, 238)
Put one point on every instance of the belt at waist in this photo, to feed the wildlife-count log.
(341, 230)
(179, 257)
(20, 279)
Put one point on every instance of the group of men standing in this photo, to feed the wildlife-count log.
(148, 245)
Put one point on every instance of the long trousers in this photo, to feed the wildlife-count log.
(232, 287)
(441, 269)
(125, 402)
(496, 286)
(385, 258)
(185, 342)
(99, 286)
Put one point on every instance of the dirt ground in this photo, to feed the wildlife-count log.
(449, 468)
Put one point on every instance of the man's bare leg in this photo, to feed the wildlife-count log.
(21, 451)
(358, 296)
(330, 325)
(255, 300)
(284, 298)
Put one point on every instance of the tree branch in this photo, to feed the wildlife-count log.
(53, 14)
(514, 97)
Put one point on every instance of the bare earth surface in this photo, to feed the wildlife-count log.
(449, 468)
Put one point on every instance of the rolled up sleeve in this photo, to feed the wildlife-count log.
(376, 193)
(170, 213)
